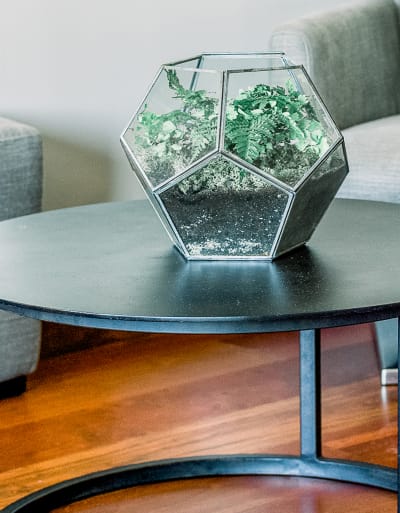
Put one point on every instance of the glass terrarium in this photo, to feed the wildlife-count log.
(237, 154)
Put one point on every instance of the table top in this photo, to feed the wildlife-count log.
(112, 266)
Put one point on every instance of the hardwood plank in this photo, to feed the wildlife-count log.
(242, 495)
(147, 396)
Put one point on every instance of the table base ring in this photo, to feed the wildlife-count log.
(119, 478)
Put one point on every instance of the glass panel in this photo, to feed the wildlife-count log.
(275, 121)
(177, 124)
(321, 113)
(223, 210)
(189, 63)
(225, 62)
(312, 200)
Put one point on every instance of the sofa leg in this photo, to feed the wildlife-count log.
(13, 387)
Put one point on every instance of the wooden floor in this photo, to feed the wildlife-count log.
(148, 397)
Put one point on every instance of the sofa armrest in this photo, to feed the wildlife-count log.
(20, 193)
(352, 54)
(20, 169)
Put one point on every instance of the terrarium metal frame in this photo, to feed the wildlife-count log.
(282, 243)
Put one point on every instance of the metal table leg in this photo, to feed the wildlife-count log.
(310, 394)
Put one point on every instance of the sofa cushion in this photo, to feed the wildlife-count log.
(352, 53)
(373, 152)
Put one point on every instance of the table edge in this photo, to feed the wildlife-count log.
(207, 325)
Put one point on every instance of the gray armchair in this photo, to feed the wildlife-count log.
(352, 54)
(20, 194)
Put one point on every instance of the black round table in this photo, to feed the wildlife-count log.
(112, 266)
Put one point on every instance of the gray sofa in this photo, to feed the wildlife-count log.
(20, 194)
(352, 54)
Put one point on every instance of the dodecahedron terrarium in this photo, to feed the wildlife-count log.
(237, 154)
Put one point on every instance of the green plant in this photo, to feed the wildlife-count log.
(272, 127)
(219, 174)
(179, 137)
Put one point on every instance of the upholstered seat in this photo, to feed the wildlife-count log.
(373, 150)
